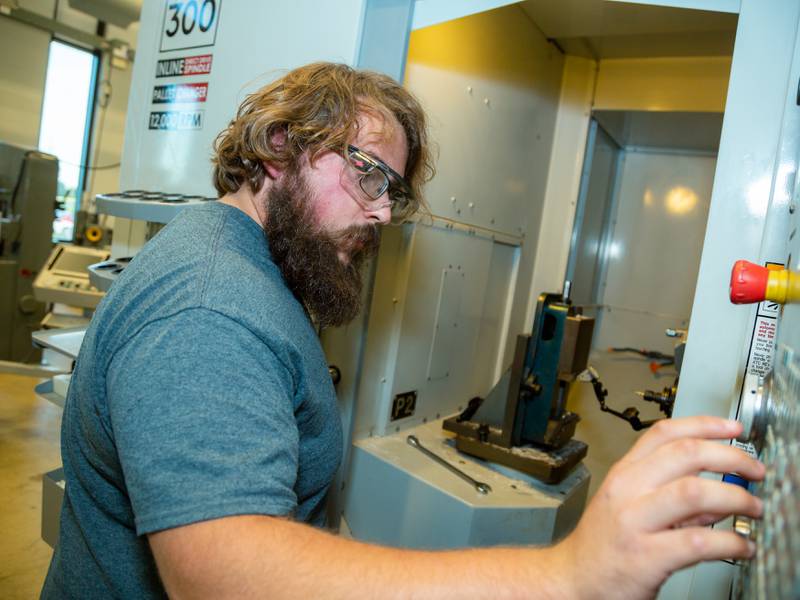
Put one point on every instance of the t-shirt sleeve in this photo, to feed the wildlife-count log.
(202, 415)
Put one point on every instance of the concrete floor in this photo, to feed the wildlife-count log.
(29, 446)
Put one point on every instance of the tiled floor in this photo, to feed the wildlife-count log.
(29, 447)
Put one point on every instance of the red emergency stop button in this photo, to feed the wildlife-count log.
(748, 282)
(754, 283)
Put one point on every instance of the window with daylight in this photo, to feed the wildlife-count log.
(66, 125)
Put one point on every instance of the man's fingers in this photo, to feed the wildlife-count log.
(702, 520)
(682, 457)
(667, 430)
(689, 498)
(679, 548)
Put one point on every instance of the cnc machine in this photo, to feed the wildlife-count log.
(27, 209)
(448, 298)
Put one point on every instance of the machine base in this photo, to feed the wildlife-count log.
(397, 496)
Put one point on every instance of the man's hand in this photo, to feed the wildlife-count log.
(650, 516)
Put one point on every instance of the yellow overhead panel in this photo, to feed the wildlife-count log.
(697, 84)
(500, 44)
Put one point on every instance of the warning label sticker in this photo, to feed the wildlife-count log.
(175, 120)
(762, 348)
(187, 65)
(175, 93)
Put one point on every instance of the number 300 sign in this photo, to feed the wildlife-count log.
(189, 24)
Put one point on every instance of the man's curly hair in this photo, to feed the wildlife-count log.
(314, 109)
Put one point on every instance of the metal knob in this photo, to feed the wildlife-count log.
(743, 526)
(755, 408)
(336, 374)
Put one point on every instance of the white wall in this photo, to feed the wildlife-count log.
(21, 81)
(24, 49)
(654, 251)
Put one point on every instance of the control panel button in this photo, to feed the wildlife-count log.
(748, 282)
(753, 283)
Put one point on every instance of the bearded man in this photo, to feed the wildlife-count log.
(201, 430)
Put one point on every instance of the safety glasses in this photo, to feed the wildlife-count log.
(375, 178)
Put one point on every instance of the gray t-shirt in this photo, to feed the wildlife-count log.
(201, 391)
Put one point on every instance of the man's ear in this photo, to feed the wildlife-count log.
(278, 142)
(274, 171)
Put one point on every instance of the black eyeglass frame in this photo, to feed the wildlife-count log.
(392, 178)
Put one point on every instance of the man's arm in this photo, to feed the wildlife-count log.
(646, 521)
(271, 557)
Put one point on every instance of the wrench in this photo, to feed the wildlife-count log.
(483, 488)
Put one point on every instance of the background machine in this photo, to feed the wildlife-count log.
(64, 279)
(27, 209)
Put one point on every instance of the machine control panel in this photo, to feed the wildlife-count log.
(770, 413)
(65, 278)
(773, 423)
(754, 409)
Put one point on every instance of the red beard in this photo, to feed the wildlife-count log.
(309, 258)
